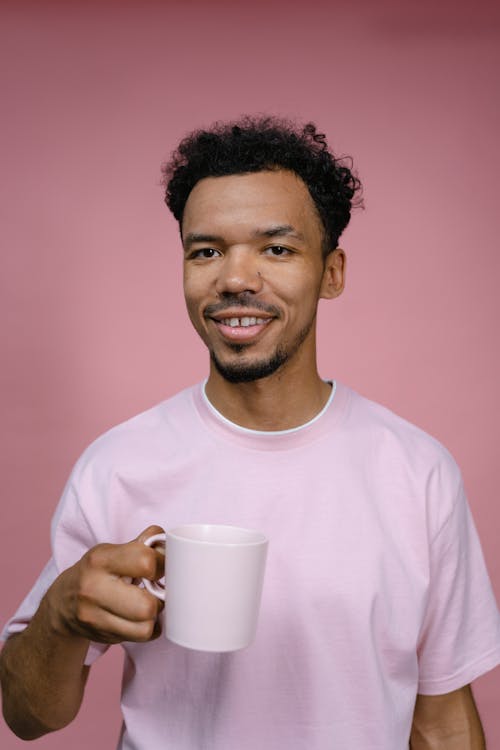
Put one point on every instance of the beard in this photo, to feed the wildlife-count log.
(246, 372)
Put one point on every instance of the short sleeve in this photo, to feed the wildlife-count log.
(71, 538)
(29, 605)
(460, 635)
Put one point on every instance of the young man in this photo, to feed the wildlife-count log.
(377, 610)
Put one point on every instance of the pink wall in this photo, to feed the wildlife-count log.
(94, 97)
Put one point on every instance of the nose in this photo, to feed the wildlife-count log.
(238, 272)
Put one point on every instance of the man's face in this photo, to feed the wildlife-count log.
(254, 271)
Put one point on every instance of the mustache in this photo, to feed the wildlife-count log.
(245, 299)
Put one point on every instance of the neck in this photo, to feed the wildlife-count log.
(280, 401)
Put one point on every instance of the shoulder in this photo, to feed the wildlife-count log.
(115, 472)
(116, 467)
(383, 424)
(400, 445)
(142, 438)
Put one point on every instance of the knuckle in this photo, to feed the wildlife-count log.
(150, 531)
(150, 608)
(88, 586)
(84, 613)
(145, 630)
(85, 591)
(146, 562)
(146, 608)
(94, 558)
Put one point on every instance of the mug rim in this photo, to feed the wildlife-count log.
(258, 536)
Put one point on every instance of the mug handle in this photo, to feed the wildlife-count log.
(157, 588)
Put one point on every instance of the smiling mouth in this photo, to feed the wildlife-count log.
(243, 322)
(244, 328)
(241, 318)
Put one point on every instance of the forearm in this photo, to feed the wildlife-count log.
(471, 739)
(43, 677)
(447, 722)
(42, 669)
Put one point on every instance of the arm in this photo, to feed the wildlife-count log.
(42, 669)
(447, 722)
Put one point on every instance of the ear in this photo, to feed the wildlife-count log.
(333, 281)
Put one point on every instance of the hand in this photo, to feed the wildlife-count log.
(96, 600)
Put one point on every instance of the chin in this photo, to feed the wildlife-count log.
(247, 371)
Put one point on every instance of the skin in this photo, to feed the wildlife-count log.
(42, 669)
(447, 722)
(227, 254)
(230, 256)
(253, 246)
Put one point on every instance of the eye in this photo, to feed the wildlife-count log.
(205, 252)
(277, 251)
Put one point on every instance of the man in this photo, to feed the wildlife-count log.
(377, 611)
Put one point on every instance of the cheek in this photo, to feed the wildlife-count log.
(192, 289)
(198, 282)
(190, 299)
(194, 297)
(299, 291)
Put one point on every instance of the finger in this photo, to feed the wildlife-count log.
(156, 630)
(159, 549)
(160, 564)
(133, 560)
(116, 597)
(150, 531)
(108, 627)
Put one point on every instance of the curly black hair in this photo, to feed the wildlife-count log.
(256, 144)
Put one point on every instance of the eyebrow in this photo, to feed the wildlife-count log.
(282, 230)
(193, 237)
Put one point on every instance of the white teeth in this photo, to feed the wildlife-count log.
(244, 322)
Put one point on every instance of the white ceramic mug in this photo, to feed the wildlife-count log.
(213, 585)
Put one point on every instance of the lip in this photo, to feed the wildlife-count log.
(239, 312)
(240, 333)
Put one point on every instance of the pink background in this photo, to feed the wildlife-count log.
(95, 95)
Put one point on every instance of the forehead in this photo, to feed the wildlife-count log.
(250, 201)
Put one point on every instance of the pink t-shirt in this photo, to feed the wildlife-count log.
(375, 586)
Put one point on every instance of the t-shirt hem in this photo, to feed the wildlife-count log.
(95, 651)
(12, 629)
(464, 677)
